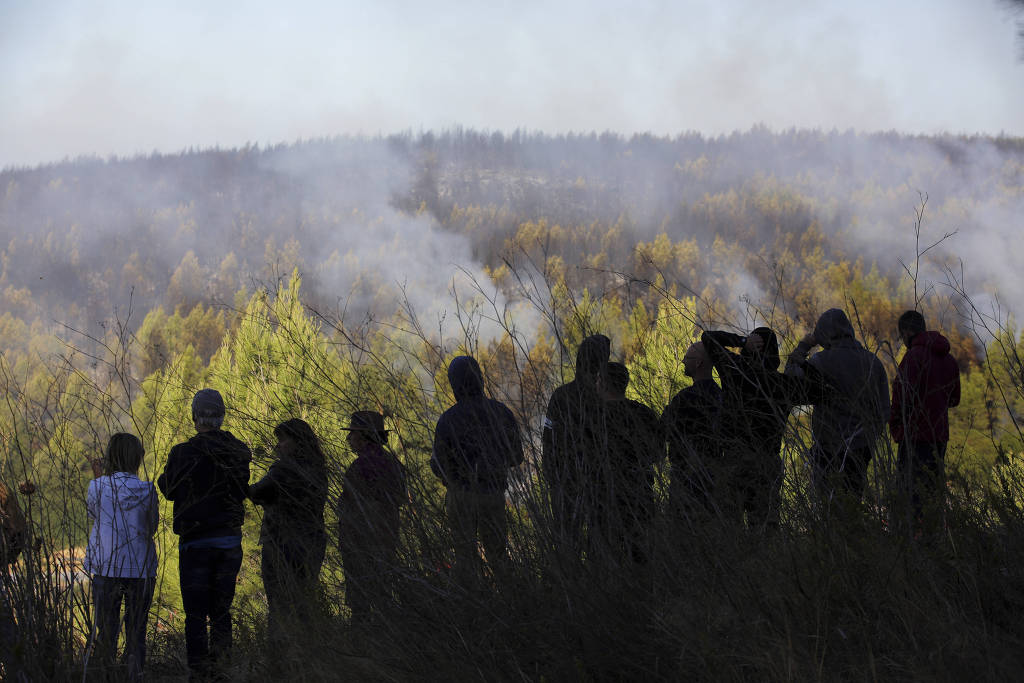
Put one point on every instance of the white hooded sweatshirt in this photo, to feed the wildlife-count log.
(124, 513)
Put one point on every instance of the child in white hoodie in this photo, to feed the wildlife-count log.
(121, 555)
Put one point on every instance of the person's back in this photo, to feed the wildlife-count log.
(626, 484)
(207, 478)
(851, 403)
(574, 441)
(756, 400)
(926, 386)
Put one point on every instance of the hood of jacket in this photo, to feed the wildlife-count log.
(466, 378)
(832, 326)
(934, 342)
(770, 352)
(129, 491)
(593, 353)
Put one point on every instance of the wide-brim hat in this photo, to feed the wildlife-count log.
(367, 421)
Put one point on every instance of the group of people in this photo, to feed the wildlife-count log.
(600, 451)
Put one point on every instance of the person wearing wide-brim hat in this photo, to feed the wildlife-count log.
(373, 489)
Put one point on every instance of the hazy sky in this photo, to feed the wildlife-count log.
(123, 77)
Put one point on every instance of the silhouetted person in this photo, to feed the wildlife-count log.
(851, 407)
(373, 489)
(476, 442)
(755, 407)
(574, 442)
(926, 386)
(690, 423)
(207, 478)
(121, 554)
(13, 539)
(293, 494)
(635, 444)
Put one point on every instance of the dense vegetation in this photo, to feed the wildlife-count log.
(309, 280)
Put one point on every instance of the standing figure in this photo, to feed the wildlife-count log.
(755, 407)
(690, 424)
(635, 445)
(575, 443)
(293, 494)
(207, 478)
(121, 555)
(476, 442)
(851, 407)
(13, 539)
(373, 489)
(926, 386)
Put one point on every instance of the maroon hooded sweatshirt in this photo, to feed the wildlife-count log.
(926, 386)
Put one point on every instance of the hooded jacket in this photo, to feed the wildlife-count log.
(756, 399)
(477, 440)
(852, 407)
(207, 478)
(926, 385)
(574, 437)
(124, 513)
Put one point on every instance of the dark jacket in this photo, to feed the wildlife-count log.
(14, 528)
(926, 385)
(852, 407)
(293, 493)
(635, 444)
(756, 399)
(373, 490)
(207, 478)
(574, 438)
(477, 440)
(690, 423)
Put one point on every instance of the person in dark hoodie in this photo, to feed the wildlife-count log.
(690, 424)
(574, 442)
(293, 494)
(373, 489)
(476, 442)
(852, 405)
(635, 444)
(207, 479)
(755, 406)
(926, 386)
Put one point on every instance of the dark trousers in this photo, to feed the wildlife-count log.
(107, 594)
(840, 470)
(290, 577)
(472, 516)
(207, 589)
(369, 565)
(755, 488)
(922, 469)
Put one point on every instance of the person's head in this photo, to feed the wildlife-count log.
(124, 453)
(365, 429)
(296, 439)
(832, 326)
(591, 357)
(207, 410)
(614, 380)
(696, 362)
(910, 324)
(466, 378)
(769, 351)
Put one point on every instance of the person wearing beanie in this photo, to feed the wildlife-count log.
(207, 479)
(476, 443)
(926, 386)
(574, 441)
(853, 404)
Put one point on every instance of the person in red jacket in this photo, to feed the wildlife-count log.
(926, 386)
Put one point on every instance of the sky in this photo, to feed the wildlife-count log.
(120, 77)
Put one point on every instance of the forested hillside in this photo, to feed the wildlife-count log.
(322, 277)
